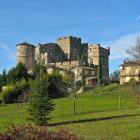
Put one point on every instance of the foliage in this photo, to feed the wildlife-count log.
(3, 79)
(99, 72)
(93, 111)
(132, 83)
(115, 77)
(13, 92)
(17, 73)
(36, 133)
(1, 101)
(40, 104)
(57, 87)
(37, 69)
(134, 51)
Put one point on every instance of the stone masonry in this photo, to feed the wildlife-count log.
(67, 50)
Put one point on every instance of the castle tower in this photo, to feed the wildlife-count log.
(94, 53)
(71, 46)
(25, 54)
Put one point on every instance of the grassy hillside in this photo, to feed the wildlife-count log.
(107, 112)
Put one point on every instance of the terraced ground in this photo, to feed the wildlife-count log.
(104, 113)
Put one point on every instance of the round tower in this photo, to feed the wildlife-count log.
(25, 54)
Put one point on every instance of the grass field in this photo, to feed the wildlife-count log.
(105, 113)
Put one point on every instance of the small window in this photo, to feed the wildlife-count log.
(91, 60)
(46, 50)
(52, 51)
(90, 49)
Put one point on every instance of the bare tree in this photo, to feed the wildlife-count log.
(134, 51)
(115, 76)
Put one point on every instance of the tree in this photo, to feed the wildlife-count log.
(99, 72)
(17, 73)
(40, 104)
(37, 69)
(115, 76)
(134, 51)
(3, 79)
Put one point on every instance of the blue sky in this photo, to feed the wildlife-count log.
(113, 23)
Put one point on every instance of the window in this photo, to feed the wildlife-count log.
(90, 49)
(52, 51)
(91, 60)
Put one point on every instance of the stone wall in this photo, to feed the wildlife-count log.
(67, 52)
(71, 46)
(94, 53)
(26, 55)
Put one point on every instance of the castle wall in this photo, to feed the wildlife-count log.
(50, 53)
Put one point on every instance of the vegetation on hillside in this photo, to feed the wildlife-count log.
(36, 133)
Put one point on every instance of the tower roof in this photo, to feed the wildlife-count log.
(25, 43)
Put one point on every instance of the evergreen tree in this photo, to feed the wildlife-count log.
(17, 73)
(99, 72)
(40, 104)
(3, 79)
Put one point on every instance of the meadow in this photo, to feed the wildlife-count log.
(105, 113)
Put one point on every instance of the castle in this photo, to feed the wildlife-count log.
(67, 53)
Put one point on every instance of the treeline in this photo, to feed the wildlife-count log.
(15, 84)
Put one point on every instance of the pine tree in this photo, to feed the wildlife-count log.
(99, 72)
(40, 104)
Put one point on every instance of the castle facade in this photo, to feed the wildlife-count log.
(66, 52)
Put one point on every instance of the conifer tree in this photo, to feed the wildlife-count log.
(40, 104)
(99, 72)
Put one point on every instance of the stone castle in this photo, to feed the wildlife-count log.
(67, 52)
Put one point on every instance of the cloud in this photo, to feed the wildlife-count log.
(7, 51)
(119, 46)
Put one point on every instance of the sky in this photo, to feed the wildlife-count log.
(113, 23)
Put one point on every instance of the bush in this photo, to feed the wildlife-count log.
(57, 87)
(9, 94)
(1, 101)
(36, 133)
(132, 83)
(16, 92)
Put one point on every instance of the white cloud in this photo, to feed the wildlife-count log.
(8, 52)
(119, 46)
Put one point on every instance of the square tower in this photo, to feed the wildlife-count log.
(71, 47)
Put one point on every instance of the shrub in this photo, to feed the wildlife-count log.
(36, 133)
(15, 92)
(1, 101)
(57, 87)
(132, 82)
(9, 94)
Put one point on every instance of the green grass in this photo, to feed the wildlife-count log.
(99, 109)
